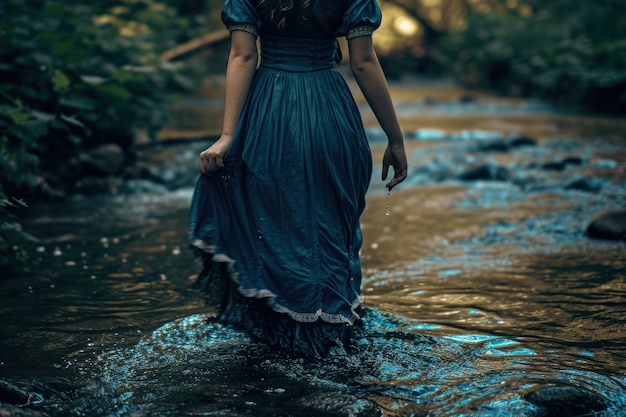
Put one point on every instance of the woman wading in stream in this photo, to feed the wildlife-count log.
(275, 213)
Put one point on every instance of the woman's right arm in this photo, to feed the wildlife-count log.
(371, 79)
(242, 62)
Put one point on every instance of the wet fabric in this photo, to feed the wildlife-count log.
(279, 223)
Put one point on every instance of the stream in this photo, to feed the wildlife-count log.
(483, 294)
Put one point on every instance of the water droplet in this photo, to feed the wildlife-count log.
(176, 251)
(70, 263)
(116, 240)
(163, 277)
(57, 252)
(41, 249)
(388, 210)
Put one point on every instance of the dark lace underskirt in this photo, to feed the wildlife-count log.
(256, 317)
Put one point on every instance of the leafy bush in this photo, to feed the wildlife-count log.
(572, 55)
(74, 75)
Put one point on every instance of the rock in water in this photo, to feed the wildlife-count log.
(489, 172)
(518, 141)
(566, 401)
(610, 224)
(591, 185)
(494, 146)
(107, 159)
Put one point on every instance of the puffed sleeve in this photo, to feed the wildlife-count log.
(362, 18)
(241, 15)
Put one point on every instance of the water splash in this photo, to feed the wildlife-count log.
(196, 366)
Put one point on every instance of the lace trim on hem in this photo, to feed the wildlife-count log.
(359, 31)
(319, 314)
(251, 29)
(265, 293)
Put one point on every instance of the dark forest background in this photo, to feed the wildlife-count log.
(80, 81)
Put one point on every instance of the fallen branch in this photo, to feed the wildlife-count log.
(195, 45)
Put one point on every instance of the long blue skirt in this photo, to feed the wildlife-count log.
(278, 226)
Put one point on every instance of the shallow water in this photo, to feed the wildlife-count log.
(484, 298)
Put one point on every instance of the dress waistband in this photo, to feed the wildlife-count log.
(298, 55)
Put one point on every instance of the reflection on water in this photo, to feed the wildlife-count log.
(484, 298)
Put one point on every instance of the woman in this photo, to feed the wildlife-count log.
(275, 213)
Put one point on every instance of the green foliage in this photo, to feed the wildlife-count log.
(76, 74)
(574, 55)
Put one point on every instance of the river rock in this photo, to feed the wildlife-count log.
(574, 160)
(107, 159)
(519, 141)
(466, 99)
(610, 224)
(559, 164)
(566, 402)
(554, 165)
(499, 145)
(591, 185)
(489, 172)
(505, 145)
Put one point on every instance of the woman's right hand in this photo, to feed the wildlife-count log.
(211, 159)
(395, 156)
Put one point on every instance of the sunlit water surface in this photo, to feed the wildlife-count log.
(479, 295)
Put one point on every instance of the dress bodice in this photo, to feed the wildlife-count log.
(298, 55)
(312, 19)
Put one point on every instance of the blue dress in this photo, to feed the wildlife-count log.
(278, 226)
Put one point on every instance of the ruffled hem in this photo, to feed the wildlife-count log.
(256, 312)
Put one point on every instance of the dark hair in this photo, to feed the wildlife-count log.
(284, 8)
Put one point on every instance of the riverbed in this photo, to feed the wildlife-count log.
(484, 296)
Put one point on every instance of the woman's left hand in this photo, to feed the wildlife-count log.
(211, 159)
(395, 156)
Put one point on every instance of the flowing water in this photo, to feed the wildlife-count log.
(484, 297)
